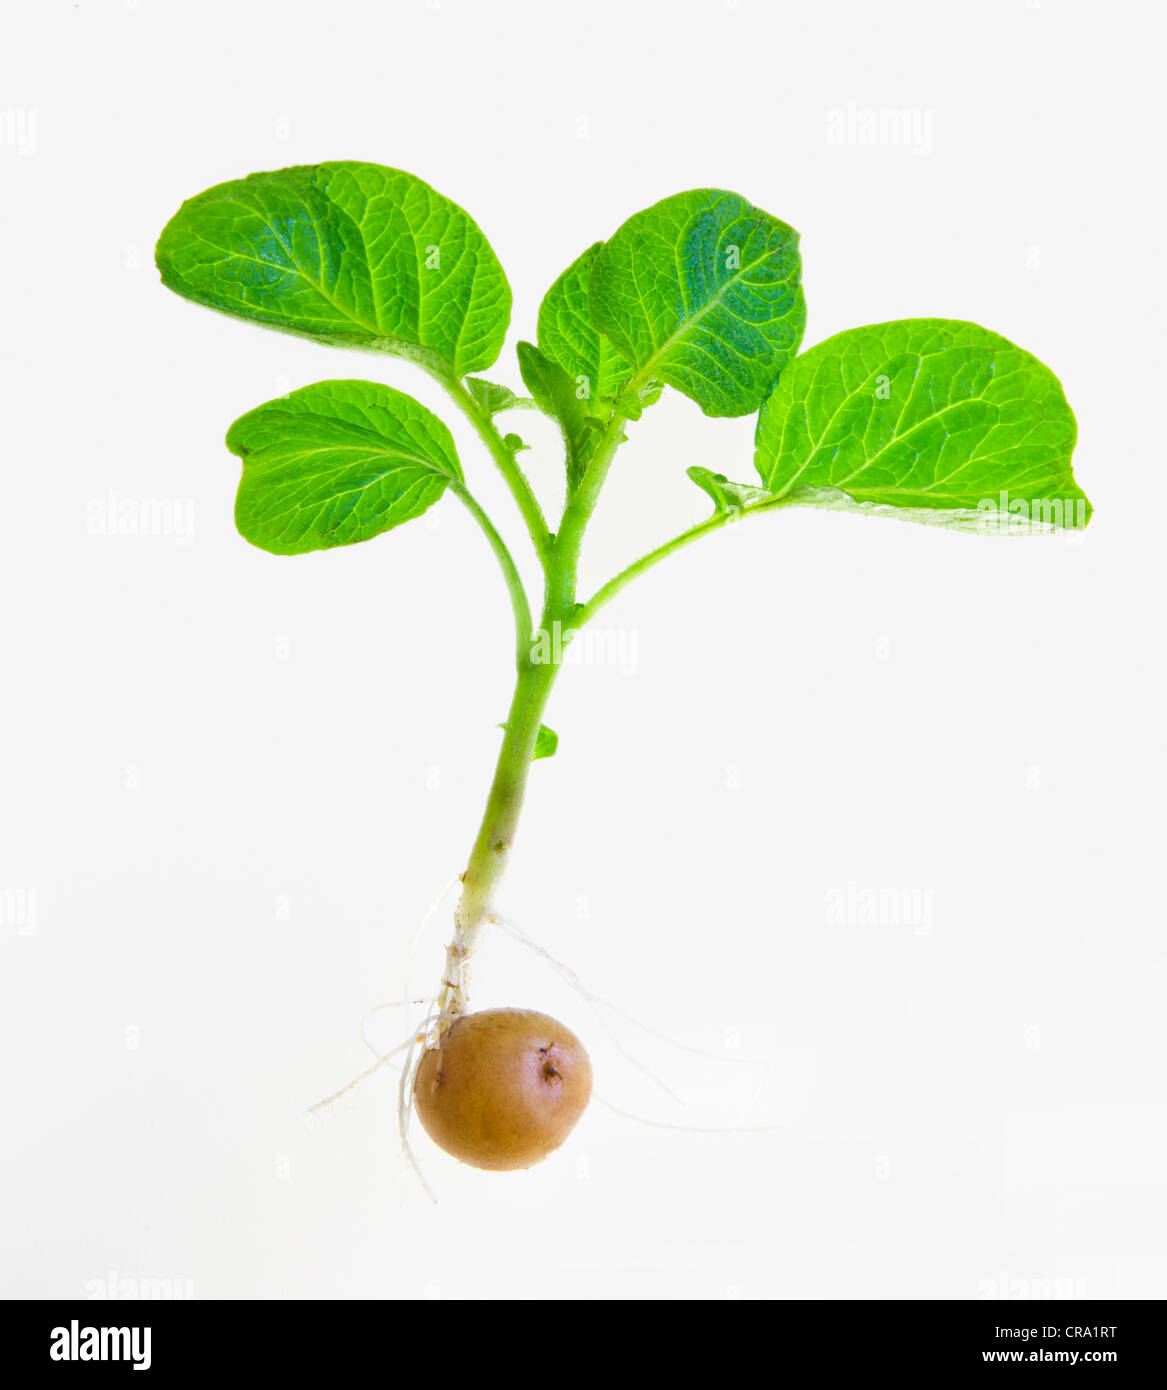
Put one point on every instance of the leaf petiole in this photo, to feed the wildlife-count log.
(518, 594)
(633, 571)
(516, 479)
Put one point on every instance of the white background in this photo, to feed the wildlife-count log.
(233, 784)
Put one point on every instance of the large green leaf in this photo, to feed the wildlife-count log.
(568, 337)
(702, 291)
(353, 254)
(930, 415)
(337, 462)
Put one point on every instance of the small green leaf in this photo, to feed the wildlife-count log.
(490, 396)
(335, 463)
(515, 443)
(546, 742)
(702, 291)
(927, 415)
(567, 337)
(728, 496)
(556, 395)
(352, 254)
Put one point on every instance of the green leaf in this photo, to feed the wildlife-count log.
(489, 395)
(568, 338)
(728, 496)
(546, 742)
(337, 462)
(352, 254)
(556, 395)
(702, 291)
(929, 415)
(515, 443)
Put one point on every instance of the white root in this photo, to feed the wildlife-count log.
(389, 1004)
(596, 1002)
(452, 1002)
(404, 1089)
(433, 907)
(425, 1035)
(405, 1101)
(686, 1129)
(356, 1081)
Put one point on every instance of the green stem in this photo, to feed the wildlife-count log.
(488, 858)
(560, 558)
(576, 515)
(646, 562)
(514, 582)
(516, 480)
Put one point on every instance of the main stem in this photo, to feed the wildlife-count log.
(562, 614)
(488, 858)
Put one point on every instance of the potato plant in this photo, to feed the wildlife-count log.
(931, 420)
